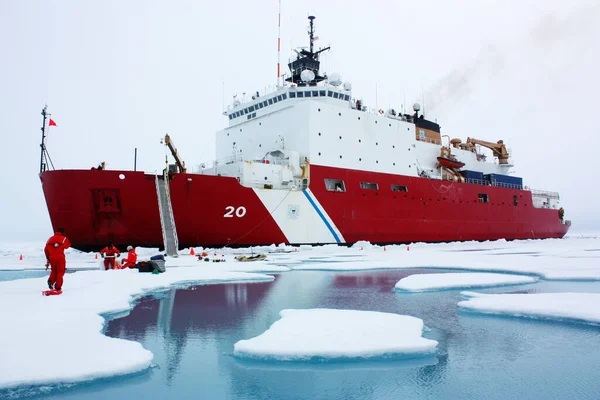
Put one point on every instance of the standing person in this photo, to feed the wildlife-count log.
(55, 258)
(131, 259)
(109, 253)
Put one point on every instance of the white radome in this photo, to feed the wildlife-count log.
(307, 75)
(335, 79)
(347, 86)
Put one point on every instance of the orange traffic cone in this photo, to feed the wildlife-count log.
(192, 252)
(96, 256)
(21, 257)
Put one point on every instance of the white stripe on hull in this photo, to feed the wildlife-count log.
(299, 216)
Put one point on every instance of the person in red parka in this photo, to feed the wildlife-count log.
(131, 259)
(110, 253)
(55, 258)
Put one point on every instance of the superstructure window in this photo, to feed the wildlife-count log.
(336, 95)
(335, 185)
(292, 95)
(399, 188)
(347, 97)
(315, 93)
(369, 185)
(329, 93)
(483, 198)
(322, 93)
(300, 94)
(515, 200)
(307, 94)
(270, 102)
(284, 96)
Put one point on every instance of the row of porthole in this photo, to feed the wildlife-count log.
(376, 143)
(340, 114)
(454, 201)
(376, 161)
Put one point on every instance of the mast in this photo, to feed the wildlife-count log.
(307, 60)
(43, 162)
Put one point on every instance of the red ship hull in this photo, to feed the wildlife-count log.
(96, 206)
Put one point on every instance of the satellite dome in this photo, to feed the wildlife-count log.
(416, 107)
(307, 75)
(335, 79)
(347, 86)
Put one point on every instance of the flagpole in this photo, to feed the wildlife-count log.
(43, 144)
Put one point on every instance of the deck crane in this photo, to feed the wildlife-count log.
(180, 164)
(498, 149)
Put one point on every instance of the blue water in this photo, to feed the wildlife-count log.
(192, 332)
(22, 274)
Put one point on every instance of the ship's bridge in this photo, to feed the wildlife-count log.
(285, 97)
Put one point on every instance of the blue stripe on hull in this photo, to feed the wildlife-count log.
(322, 216)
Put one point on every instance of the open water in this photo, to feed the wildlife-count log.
(192, 332)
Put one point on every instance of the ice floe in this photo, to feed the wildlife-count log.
(327, 334)
(427, 282)
(571, 306)
(60, 338)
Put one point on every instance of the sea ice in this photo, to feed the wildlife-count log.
(59, 338)
(571, 306)
(426, 282)
(337, 334)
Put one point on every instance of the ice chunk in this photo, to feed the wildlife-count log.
(337, 334)
(572, 306)
(425, 282)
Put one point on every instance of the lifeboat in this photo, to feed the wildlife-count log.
(449, 163)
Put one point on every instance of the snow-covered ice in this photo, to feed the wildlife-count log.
(60, 338)
(427, 282)
(32, 324)
(337, 334)
(570, 306)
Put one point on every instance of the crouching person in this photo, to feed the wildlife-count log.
(131, 259)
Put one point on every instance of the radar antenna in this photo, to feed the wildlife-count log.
(307, 60)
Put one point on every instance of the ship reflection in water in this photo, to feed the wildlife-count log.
(192, 331)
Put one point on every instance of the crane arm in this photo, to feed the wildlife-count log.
(178, 161)
(499, 149)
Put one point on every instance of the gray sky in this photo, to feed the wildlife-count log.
(120, 74)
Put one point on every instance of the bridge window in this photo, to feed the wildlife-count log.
(369, 185)
(483, 198)
(336, 95)
(399, 188)
(335, 185)
(329, 93)
(300, 94)
(270, 102)
(292, 95)
(322, 93)
(284, 96)
(347, 97)
(307, 94)
(315, 93)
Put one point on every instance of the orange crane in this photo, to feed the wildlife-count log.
(178, 161)
(498, 149)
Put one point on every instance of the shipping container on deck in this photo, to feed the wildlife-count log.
(504, 181)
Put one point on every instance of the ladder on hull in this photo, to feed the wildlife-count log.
(167, 221)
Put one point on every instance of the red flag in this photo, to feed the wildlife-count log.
(52, 123)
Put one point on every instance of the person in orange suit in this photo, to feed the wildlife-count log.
(55, 258)
(131, 259)
(110, 253)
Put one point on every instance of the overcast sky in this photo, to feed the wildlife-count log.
(120, 74)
